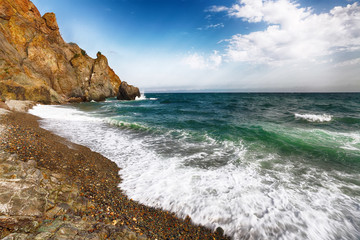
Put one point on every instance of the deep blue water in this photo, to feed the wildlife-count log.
(259, 165)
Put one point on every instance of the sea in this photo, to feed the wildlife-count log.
(258, 165)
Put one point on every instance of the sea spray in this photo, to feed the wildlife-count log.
(143, 97)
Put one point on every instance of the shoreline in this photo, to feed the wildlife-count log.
(97, 179)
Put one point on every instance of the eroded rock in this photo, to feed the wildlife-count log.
(38, 65)
(127, 92)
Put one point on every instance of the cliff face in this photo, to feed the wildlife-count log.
(37, 64)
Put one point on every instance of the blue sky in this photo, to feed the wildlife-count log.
(219, 45)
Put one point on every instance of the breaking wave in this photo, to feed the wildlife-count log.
(314, 117)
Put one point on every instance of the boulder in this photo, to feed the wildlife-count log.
(127, 92)
(19, 106)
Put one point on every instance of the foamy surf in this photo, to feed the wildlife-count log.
(314, 117)
(239, 193)
(61, 112)
(143, 97)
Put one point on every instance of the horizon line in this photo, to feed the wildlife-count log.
(269, 92)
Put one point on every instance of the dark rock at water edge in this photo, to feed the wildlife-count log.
(127, 92)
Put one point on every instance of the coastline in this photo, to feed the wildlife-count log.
(96, 179)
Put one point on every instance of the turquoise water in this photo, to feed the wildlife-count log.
(270, 166)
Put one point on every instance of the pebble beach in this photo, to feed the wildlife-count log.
(80, 197)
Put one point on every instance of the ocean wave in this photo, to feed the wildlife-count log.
(123, 124)
(313, 140)
(314, 117)
(244, 198)
(352, 141)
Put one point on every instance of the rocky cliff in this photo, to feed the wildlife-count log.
(37, 64)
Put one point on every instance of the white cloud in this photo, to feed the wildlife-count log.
(249, 9)
(198, 61)
(195, 61)
(293, 34)
(216, 9)
(350, 62)
(212, 26)
(218, 25)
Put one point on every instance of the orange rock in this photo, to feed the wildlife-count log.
(39, 66)
(50, 21)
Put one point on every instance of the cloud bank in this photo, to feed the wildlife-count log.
(293, 34)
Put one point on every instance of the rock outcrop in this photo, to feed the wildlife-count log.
(19, 106)
(36, 203)
(127, 92)
(37, 64)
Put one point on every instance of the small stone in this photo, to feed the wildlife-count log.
(130, 236)
(17, 236)
(31, 163)
(54, 212)
(54, 180)
(52, 227)
(43, 235)
(67, 230)
(219, 231)
(49, 205)
(64, 206)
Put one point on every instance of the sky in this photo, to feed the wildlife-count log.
(219, 45)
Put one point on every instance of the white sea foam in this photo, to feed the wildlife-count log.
(314, 117)
(247, 202)
(143, 97)
(353, 141)
(111, 100)
(61, 112)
